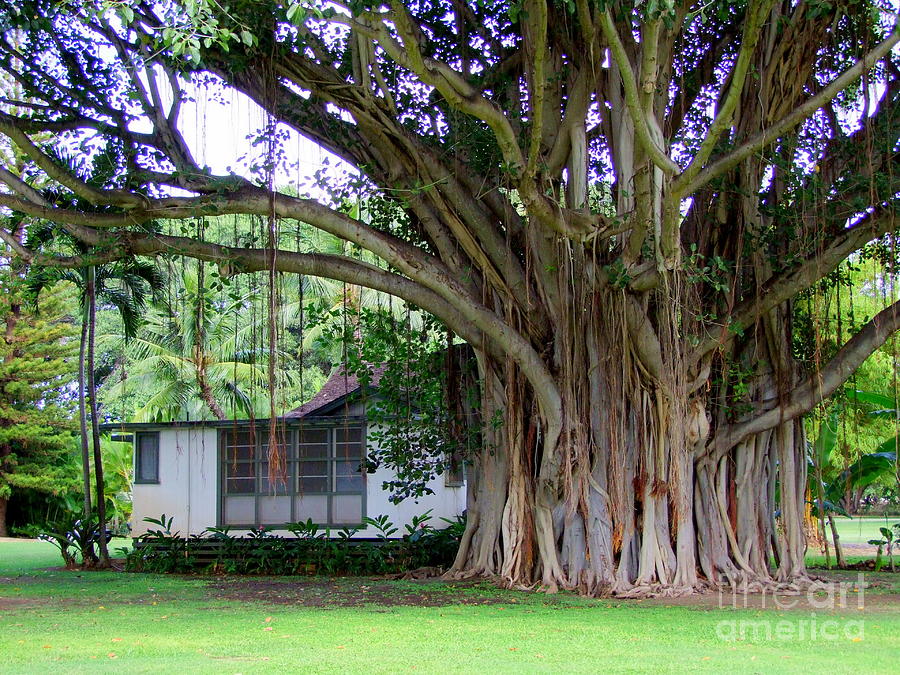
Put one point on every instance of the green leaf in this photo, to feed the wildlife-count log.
(296, 14)
(889, 446)
(247, 37)
(827, 440)
(871, 397)
(867, 469)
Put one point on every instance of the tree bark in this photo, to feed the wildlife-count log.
(835, 537)
(82, 417)
(634, 504)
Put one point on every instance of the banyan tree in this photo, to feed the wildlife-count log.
(614, 203)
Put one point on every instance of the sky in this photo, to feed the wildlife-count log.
(219, 126)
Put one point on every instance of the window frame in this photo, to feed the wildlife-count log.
(293, 461)
(138, 454)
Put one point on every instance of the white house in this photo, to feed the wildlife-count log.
(215, 474)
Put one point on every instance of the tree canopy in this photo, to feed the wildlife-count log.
(613, 203)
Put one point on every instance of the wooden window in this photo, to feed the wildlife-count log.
(146, 457)
(241, 460)
(324, 481)
(454, 473)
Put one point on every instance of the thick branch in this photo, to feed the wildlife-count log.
(757, 14)
(61, 261)
(632, 98)
(537, 21)
(422, 268)
(22, 188)
(814, 389)
(785, 286)
(9, 128)
(451, 85)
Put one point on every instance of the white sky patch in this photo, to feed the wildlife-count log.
(221, 129)
(225, 131)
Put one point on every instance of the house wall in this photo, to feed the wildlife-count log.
(446, 502)
(187, 482)
(188, 489)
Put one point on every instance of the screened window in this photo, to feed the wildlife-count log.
(146, 457)
(324, 478)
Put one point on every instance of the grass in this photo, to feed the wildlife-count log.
(860, 530)
(63, 621)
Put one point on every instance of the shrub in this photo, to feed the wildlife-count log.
(310, 550)
(76, 538)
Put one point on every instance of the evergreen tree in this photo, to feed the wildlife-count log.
(37, 350)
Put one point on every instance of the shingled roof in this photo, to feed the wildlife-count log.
(340, 385)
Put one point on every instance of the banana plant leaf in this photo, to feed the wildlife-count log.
(872, 398)
(865, 471)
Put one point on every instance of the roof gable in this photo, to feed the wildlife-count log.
(333, 393)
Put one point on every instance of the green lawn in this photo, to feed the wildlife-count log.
(59, 621)
(860, 530)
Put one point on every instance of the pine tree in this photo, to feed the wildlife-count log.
(37, 361)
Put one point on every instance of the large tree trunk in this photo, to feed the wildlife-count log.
(635, 501)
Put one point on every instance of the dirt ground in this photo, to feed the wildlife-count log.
(319, 592)
(878, 595)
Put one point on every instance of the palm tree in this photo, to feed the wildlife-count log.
(125, 286)
(340, 304)
(200, 355)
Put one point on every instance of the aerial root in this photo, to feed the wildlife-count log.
(419, 573)
(659, 591)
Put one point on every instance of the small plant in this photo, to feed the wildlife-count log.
(310, 550)
(161, 550)
(419, 527)
(301, 530)
(887, 542)
(162, 522)
(219, 532)
(76, 538)
(382, 525)
(261, 532)
(60, 539)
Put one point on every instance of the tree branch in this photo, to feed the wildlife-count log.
(632, 98)
(411, 261)
(9, 128)
(536, 19)
(65, 262)
(688, 185)
(815, 388)
(723, 117)
(442, 77)
(22, 188)
(785, 286)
